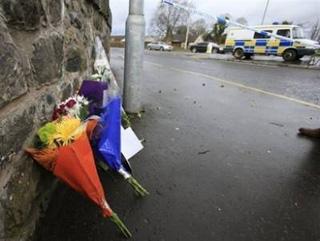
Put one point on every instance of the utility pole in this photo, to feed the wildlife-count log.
(134, 51)
(187, 34)
(265, 12)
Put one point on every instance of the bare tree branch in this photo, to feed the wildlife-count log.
(166, 19)
(315, 31)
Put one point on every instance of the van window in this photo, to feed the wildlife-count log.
(297, 33)
(259, 35)
(284, 33)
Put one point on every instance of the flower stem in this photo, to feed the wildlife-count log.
(120, 225)
(139, 190)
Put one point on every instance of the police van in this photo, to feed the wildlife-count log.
(244, 43)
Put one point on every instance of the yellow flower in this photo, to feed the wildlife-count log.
(68, 130)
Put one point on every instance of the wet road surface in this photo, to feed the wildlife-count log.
(221, 161)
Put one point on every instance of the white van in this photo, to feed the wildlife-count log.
(244, 43)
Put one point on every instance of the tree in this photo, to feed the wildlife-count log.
(315, 31)
(167, 18)
(242, 21)
(180, 30)
(199, 27)
(196, 28)
(286, 22)
(217, 34)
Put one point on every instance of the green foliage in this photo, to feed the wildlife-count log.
(84, 112)
(217, 34)
(125, 120)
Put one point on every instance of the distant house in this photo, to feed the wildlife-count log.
(150, 39)
(180, 39)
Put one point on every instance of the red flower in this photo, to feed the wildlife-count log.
(57, 113)
(71, 103)
(62, 106)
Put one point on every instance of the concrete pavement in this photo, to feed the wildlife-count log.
(222, 162)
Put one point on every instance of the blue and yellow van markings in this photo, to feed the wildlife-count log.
(260, 46)
(261, 42)
(239, 42)
(286, 43)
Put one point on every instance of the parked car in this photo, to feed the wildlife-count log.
(202, 47)
(161, 46)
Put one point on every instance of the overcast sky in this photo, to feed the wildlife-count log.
(299, 11)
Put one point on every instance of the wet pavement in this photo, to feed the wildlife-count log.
(307, 62)
(302, 84)
(222, 161)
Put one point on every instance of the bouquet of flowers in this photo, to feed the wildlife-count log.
(62, 147)
(107, 139)
(76, 106)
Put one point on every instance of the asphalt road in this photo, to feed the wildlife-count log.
(298, 83)
(222, 158)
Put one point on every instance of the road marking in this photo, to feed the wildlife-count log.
(232, 61)
(242, 86)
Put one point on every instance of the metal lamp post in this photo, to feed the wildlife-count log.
(134, 51)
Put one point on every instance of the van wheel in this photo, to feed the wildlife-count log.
(193, 50)
(248, 56)
(238, 53)
(289, 55)
(214, 50)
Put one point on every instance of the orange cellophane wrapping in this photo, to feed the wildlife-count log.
(45, 157)
(74, 164)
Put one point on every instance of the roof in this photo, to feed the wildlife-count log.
(150, 38)
(270, 26)
(182, 38)
(276, 26)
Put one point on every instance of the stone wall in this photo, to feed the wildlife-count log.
(46, 50)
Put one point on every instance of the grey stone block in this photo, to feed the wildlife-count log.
(15, 128)
(76, 19)
(103, 8)
(55, 11)
(22, 14)
(12, 76)
(47, 58)
(27, 189)
(67, 92)
(75, 60)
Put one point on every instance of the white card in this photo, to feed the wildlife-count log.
(130, 144)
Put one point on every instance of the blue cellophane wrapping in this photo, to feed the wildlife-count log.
(109, 144)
